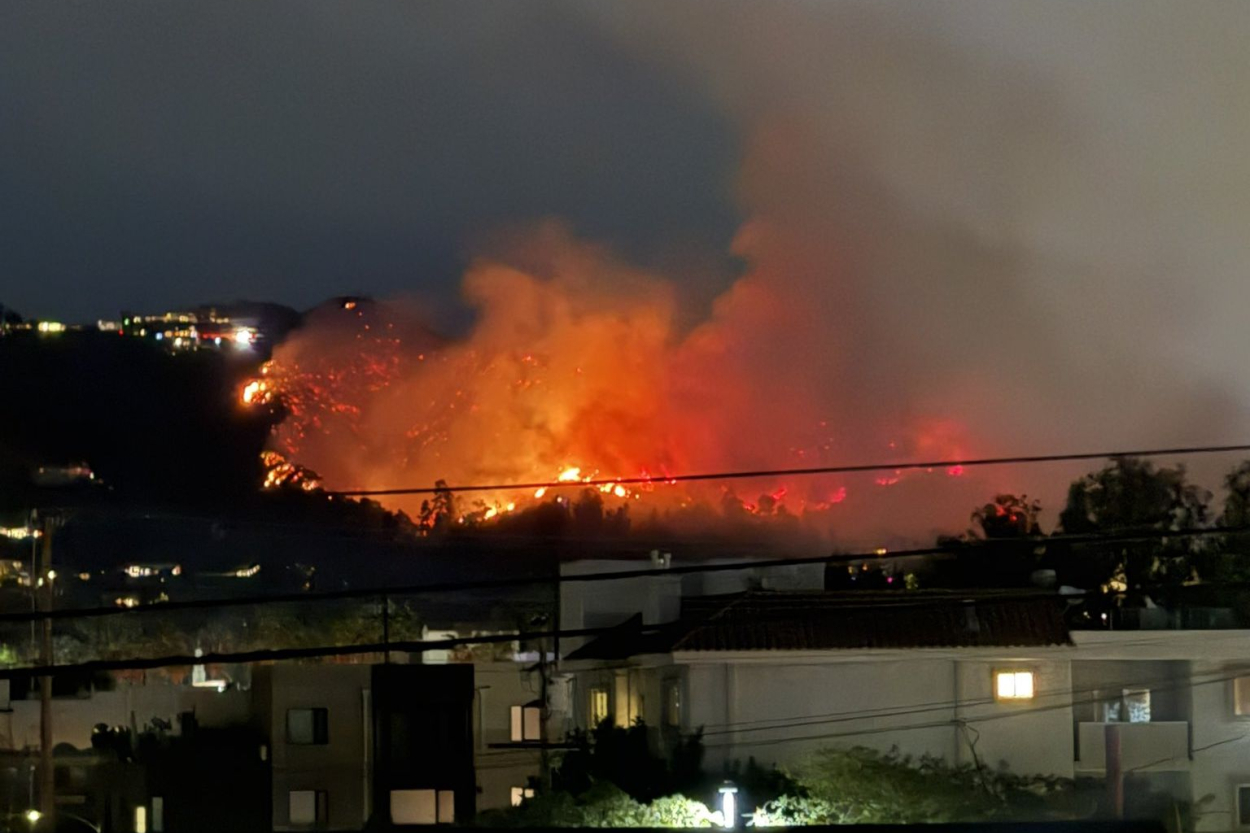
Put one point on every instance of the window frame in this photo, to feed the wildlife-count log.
(671, 709)
(443, 800)
(520, 726)
(1015, 672)
(1238, 683)
(321, 809)
(1240, 822)
(594, 693)
(320, 726)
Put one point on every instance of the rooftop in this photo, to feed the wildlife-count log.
(814, 621)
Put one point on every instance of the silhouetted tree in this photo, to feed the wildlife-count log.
(1133, 497)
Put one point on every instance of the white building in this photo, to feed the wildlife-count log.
(988, 676)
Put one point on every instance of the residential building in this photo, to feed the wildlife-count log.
(350, 743)
(992, 678)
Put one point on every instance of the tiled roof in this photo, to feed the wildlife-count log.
(807, 621)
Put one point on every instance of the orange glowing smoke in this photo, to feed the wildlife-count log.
(575, 371)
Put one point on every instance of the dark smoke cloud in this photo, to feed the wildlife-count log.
(965, 228)
(1026, 219)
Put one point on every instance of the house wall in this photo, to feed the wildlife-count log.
(1028, 737)
(780, 712)
(340, 767)
(1221, 743)
(134, 707)
(499, 686)
(1219, 740)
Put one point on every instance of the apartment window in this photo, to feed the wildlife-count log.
(672, 703)
(1241, 699)
(519, 794)
(307, 727)
(158, 814)
(423, 806)
(526, 723)
(1137, 705)
(1013, 685)
(1243, 805)
(598, 706)
(308, 808)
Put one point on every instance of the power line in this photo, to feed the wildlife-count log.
(796, 472)
(280, 654)
(524, 581)
(1193, 682)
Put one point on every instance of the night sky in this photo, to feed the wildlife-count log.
(1016, 227)
(164, 154)
(1031, 216)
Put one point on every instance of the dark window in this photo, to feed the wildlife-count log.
(1243, 805)
(307, 727)
(672, 703)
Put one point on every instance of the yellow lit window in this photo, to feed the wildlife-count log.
(598, 706)
(1013, 685)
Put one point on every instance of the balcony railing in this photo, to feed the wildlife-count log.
(1159, 746)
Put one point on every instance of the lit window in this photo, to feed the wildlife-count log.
(519, 794)
(1241, 698)
(1137, 704)
(423, 806)
(307, 727)
(526, 723)
(141, 819)
(1013, 685)
(308, 808)
(598, 706)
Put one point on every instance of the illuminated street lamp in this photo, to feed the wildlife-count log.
(728, 805)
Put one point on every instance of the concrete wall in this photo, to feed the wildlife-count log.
(1028, 737)
(340, 767)
(1221, 743)
(500, 686)
(133, 707)
(781, 711)
(779, 708)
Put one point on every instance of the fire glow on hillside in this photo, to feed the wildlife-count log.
(561, 381)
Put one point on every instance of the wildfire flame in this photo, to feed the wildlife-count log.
(560, 380)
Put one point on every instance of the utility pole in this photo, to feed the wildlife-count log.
(1114, 769)
(544, 715)
(386, 629)
(47, 784)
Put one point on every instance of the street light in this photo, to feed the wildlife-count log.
(33, 816)
(728, 805)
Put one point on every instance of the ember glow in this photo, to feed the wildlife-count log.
(575, 372)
